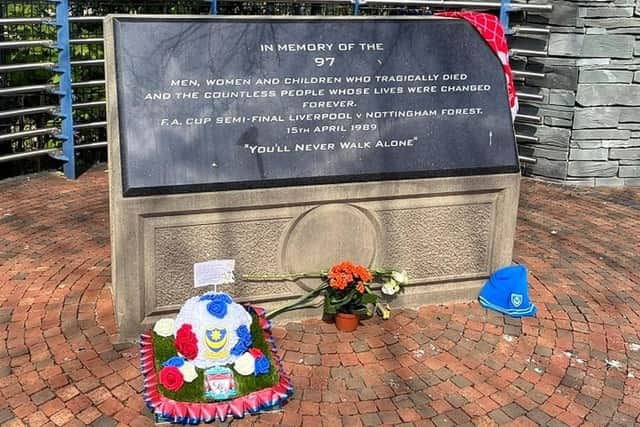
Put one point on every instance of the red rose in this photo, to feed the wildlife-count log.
(255, 352)
(171, 378)
(186, 342)
(185, 330)
(189, 349)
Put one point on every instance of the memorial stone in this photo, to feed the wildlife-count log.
(287, 144)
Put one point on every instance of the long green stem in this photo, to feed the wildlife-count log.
(274, 313)
(303, 299)
(276, 277)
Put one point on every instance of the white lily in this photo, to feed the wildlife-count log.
(390, 288)
(383, 310)
(401, 277)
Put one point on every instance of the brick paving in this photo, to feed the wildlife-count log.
(576, 363)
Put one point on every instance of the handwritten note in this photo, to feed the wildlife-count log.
(215, 272)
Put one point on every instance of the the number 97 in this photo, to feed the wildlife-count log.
(321, 62)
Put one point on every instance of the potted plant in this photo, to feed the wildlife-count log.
(347, 295)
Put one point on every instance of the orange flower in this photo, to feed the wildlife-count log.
(363, 273)
(338, 282)
(346, 273)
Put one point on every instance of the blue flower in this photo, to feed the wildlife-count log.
(217, 306)
(244, 341)
(176, 361)
(244, 335)
(238, 349)
(262, 366)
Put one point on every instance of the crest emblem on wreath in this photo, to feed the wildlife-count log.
(216, 340)
(516, 300)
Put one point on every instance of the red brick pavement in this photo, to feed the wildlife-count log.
(576, 363)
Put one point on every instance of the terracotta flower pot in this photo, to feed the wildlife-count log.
(347, 322)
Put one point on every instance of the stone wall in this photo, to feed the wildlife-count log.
(591, 129)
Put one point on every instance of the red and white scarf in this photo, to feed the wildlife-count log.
(490, 28)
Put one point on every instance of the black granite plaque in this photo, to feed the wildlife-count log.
(224, 103)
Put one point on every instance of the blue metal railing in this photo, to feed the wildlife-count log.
(32, 131)
(504, 15)
(65, 90)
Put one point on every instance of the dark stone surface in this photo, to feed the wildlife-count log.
(181, 154)
(556, 76)
(6, 415)
(104, 421)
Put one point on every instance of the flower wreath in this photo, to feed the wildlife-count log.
(161, 379)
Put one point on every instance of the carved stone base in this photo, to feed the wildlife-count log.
(448, 233)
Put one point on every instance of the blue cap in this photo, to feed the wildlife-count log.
(507, 292)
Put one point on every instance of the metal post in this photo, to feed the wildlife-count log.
(504, 14)
(63, 68)
(214, 7)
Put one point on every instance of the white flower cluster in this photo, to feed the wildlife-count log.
(393, 285)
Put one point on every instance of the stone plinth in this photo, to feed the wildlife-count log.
(448, 233)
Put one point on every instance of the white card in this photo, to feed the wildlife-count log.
(216, 272)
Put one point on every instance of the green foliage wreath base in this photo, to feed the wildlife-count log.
(163, 349)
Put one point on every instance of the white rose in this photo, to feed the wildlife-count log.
(245, 364)
(164, 327)
(401, 277)
(188, 371)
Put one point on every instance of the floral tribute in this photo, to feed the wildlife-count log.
(346, 287)
(216, 360)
